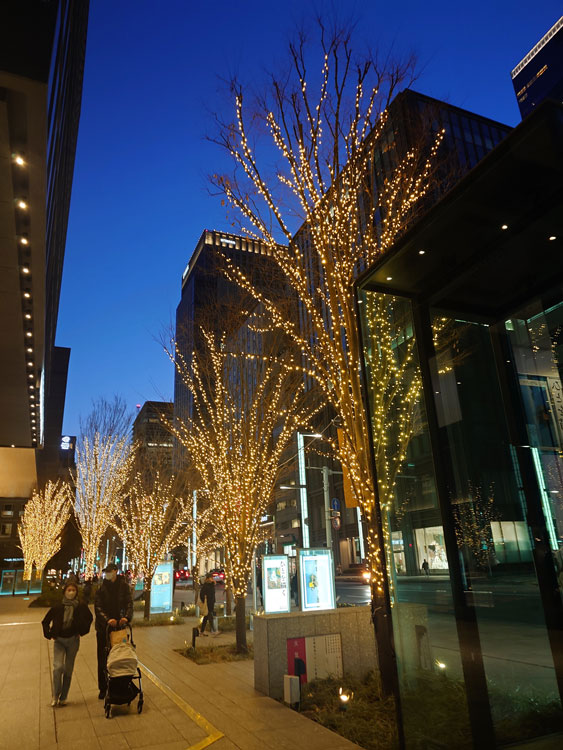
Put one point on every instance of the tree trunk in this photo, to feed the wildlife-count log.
(228, 600)
(147, 612)
(240, 621)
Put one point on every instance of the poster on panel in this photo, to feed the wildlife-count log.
(275, 583)
(161, 589)
(316, 579)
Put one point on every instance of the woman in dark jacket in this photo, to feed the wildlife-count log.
(65, 623)
(207, 595)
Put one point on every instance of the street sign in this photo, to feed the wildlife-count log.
(336, 523)
(335, 503)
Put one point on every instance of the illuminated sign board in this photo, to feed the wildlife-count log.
(275, 584)
(316, 579)
(161, 589)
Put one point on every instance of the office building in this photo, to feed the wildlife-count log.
(413, 120)
(539, 75)
(42, 49)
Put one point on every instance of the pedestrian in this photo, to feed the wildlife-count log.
(425, 567)
(259, 584)
(64, 624)
(207, 596)
(113, 606)
(293, 589)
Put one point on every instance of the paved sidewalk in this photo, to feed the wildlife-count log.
(187, 707)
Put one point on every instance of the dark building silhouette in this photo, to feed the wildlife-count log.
(150, 432)
(42, 50)
(539, 75)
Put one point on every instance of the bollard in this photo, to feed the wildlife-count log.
(251, 621)
(215, 624)
(195, 633)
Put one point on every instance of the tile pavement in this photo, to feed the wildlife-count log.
(222, 694)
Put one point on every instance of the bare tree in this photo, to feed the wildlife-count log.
(323, 126)
(106, 417)
(40, 529)
(246, 408)
(104, 462)
(153, 519)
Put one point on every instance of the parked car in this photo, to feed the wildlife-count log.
(218, 575)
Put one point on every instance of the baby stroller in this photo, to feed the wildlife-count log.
(122, 672)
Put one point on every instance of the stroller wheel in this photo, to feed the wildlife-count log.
(139, 707)
(108, 711)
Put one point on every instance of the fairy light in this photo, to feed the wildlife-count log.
(40, 528)
(103, 467)
(326, 152)
(246, 410)
(154, 519)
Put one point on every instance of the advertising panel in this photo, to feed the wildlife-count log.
(161, 591)
(275, 583)
(316, 579)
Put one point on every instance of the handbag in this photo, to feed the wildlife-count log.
(203, 611)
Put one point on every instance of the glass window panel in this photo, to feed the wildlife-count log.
(490, 512)
(424, 626)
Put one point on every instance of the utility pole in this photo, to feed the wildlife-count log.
(328, 514)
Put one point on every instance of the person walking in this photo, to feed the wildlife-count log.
(64, 624)
(207, 596)
(113, 606)
(425, 567)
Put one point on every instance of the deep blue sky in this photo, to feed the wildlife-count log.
(140, 200)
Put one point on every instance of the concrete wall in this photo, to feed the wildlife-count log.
(359, 654)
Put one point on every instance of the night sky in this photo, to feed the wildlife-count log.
(153, 78)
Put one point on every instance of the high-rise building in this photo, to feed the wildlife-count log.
(151, 434)
(539, 75)
(42, 51)
(413, 120)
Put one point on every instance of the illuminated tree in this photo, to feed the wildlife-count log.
(153, 519)
(473, 516)
(246, 409)
(323, 128)
(44, 518)
(103, 469)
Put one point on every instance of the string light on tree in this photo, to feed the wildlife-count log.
(44, 518)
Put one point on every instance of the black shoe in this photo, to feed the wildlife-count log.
(101, 695)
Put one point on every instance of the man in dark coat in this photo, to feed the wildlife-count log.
(113, 606)
(207, 595)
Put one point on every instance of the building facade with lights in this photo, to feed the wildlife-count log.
(474, 535)
(42, 49)
(539, 75)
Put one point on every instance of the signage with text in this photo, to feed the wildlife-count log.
(275, 583)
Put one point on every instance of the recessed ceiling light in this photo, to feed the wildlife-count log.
(22, 204)
(504, 226)
(13, 446)
(389, 278)
(30, 375)
(29, 349)
(30, 364)
(27, 295)
(28, 334)
(32, 396)
(553, 237)
(19, 160)
(28, 316)
(25, 269)
(24, 241)
(421, 252)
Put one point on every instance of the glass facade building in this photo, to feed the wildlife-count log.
(465, 317)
